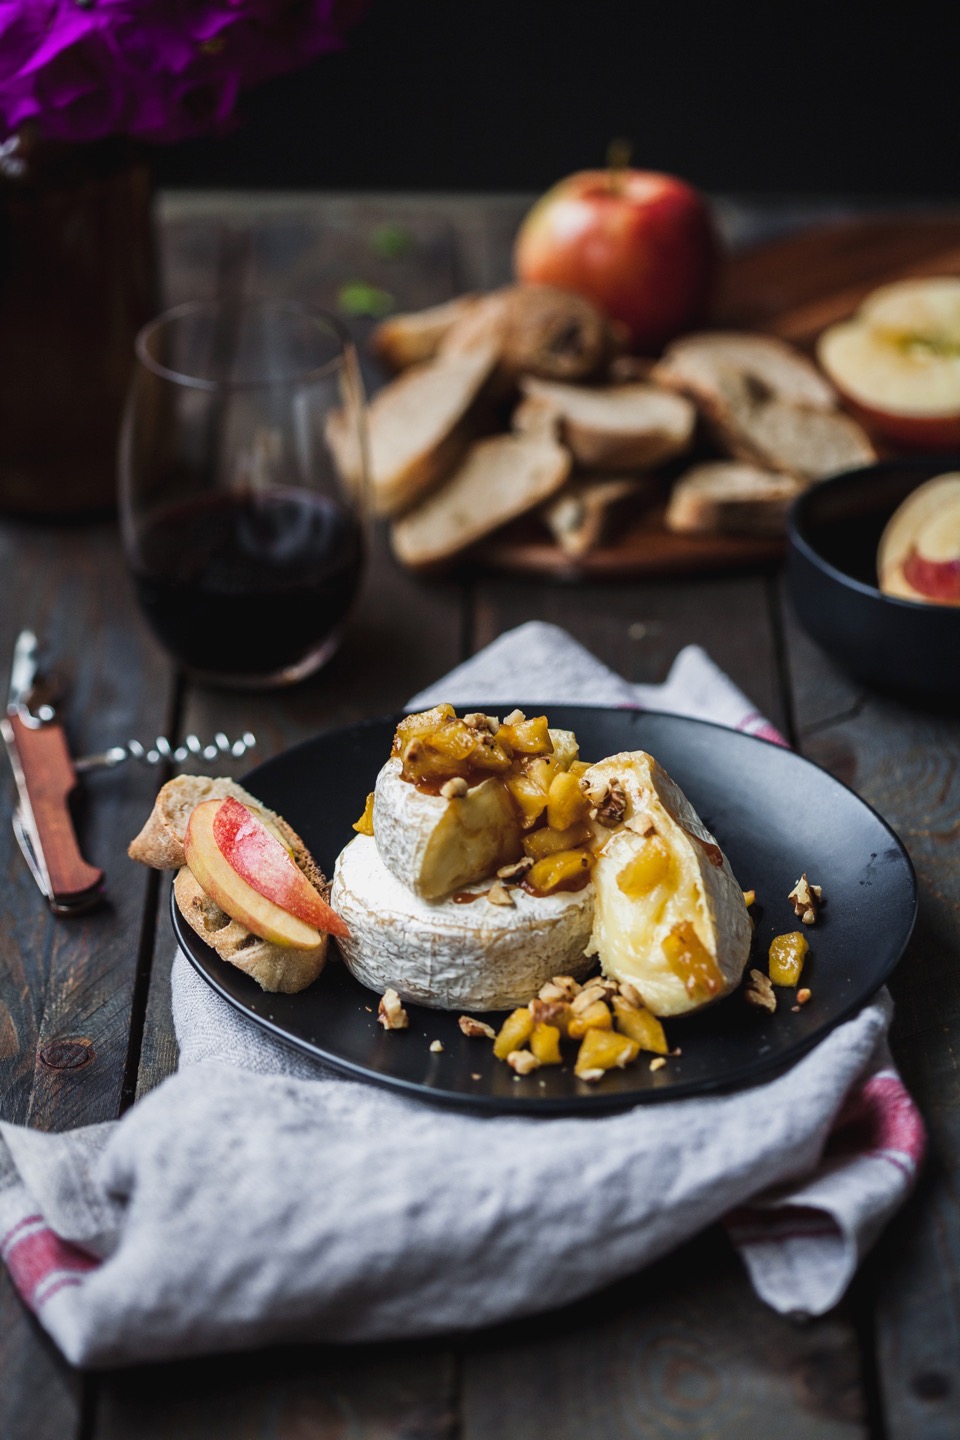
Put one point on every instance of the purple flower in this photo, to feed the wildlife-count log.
(159, 70)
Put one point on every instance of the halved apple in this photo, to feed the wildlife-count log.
(919, 553)
(263, 914)
(897, 362)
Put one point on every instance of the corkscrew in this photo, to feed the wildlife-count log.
(46, 776)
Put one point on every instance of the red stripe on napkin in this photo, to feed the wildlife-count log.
(40, 1263)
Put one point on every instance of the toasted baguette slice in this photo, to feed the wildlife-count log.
(160, 845)
(579, 515)
(730, 496)
(418, 428)
(617, 427)
(408, 339)
(538, 330)
(501, 478)
(274, 967)
(765, 403)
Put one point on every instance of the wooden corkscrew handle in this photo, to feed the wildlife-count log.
(50, 779)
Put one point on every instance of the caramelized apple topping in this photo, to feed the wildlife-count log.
(691, 962)
(364, 826)
(787, 954)
(650, 867)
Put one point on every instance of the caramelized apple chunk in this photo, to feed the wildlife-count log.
(691, 962)
(640, 1026)
(603, 1050)
(514, 1033)
(787, 954)
(364, 826)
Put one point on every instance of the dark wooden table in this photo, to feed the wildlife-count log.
(682, 1350)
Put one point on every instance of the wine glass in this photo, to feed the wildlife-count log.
(243, 487)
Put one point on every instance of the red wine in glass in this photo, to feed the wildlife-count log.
(247, 585)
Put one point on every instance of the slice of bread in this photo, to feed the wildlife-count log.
(538, 330)
(418, 428)
(580, 514)
(408, 339)
(274, 967)
(500, 479)
(617, 427)
(160, 845)
(765, 403)
(725, 496)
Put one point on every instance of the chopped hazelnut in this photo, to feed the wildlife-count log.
(436, 1047)
(803, 995)
(516, 717)
(657, 1063)
(631, 995)
(517, 870)
(454, 789)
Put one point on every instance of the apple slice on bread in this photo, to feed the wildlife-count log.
(245, 869)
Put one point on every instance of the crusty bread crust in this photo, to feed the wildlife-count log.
(274, 967)
(614, 427)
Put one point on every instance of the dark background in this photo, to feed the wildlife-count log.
(509, 95)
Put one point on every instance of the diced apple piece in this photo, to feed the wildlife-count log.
(786, 956)
(604, 1050)
(527, 737)
(594, 1017)
(514, 1033)
(566, 802)
(567, 870)
(691, 962)
(919, 553)
(650, 867)
(364, 826)
(538, 843)
(640, 1026)
(218, 879)
(545, 1044)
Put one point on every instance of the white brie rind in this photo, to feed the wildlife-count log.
(475, 956)
(434, 845)
(700, 887)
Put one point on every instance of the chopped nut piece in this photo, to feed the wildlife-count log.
(498, 894)
(514, 718)
(550, 991)
(612, 805)
(473, 1029)
(517, 870)
(593, 991)
(390, 1013)
(454, 789)
(759, 991)
(523, 1061)
(806, 900)
(631, 995)
(803, 996)
(436, 1047)
(591, 1075)
(749, 898)
(657, 1063)
(567, 983)
(475, 1075)
(551, 1012)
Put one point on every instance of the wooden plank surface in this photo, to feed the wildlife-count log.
(905, 760)
(685, 1349)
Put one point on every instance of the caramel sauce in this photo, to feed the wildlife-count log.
(467, 897)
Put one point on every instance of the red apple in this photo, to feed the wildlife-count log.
(639, 244)
(897, 362)
(919, 553)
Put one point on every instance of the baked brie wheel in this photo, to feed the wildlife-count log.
(669, 916)
(474, 955)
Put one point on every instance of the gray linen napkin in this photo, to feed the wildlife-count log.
(257, 1196)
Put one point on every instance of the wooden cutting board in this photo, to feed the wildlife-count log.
(792, 288)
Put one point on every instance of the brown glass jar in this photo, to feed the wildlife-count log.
(77, 281)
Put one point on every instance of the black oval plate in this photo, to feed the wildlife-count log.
(774, 813)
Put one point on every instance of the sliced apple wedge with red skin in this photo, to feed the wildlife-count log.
(218, 879)
(918, 557)
(258, 858)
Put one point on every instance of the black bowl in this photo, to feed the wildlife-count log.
(833, 533)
